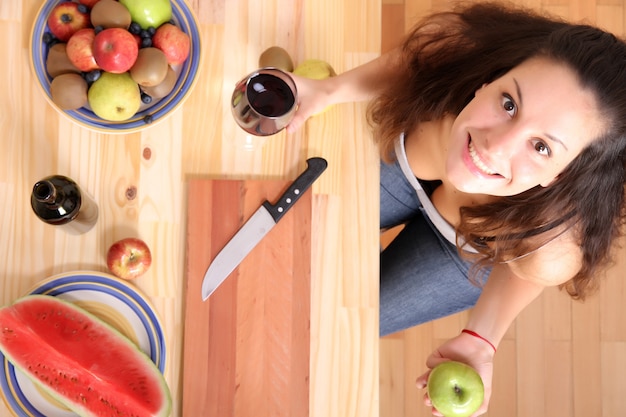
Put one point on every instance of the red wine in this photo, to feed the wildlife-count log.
(269, 95)
(57, 200)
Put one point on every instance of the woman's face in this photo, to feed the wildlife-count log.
(521, 130)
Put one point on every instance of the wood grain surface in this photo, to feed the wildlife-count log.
(140, 180)
(246, 349)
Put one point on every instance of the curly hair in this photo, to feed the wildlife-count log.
(448, 56)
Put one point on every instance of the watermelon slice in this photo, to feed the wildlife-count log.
(81, 361)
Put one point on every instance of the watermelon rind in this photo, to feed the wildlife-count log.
(56, 363)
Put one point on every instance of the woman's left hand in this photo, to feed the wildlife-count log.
(469, 350)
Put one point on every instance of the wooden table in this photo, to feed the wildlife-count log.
(201, 139)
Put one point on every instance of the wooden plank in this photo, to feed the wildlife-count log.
(613, 363)
(585, 347)
(246, 349)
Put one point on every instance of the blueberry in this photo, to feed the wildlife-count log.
(135, 28)
(144, 33)
(98, 29)
(47, 37)
(151, 30)
(92, 76)
(145, 98)
(83, 9)
(146, 42)
(147, 119)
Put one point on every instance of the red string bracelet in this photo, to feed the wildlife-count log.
(472, 333)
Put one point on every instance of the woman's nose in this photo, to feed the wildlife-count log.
(503, 142)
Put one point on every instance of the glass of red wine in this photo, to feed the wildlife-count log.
(264, 101)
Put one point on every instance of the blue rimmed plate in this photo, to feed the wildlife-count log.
(112, 300)
(182, 16)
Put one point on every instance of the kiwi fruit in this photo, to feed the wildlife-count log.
(110, 14)
(150, 68)
(57, 62)
(164, 87)
(69, 91)
(276, 57)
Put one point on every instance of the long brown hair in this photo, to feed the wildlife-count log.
(449, 55)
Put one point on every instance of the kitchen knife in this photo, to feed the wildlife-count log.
(259, 224)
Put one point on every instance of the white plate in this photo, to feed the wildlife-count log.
(110, 299)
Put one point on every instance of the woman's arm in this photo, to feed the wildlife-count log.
(509, 289)
(358, 84)
(504, 296)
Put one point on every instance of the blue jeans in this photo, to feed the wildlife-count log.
(422, 275)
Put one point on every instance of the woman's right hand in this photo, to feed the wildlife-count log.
(313, 97)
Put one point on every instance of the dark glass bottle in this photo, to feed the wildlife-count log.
(59, 201)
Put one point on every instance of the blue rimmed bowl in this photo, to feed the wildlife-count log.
(148, 115)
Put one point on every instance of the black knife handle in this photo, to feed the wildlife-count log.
(314, 169)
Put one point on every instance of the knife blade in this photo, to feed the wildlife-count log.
(257, 226)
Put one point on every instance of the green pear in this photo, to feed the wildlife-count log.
(114, 97)
(316, 69)
(149, 12)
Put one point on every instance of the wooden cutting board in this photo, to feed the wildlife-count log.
(246, 349)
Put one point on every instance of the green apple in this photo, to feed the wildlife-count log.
(149, 12)
(455, 389)
(114, 97)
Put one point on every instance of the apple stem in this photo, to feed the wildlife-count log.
(457, 390)
(66, 18)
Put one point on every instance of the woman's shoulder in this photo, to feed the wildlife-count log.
(552, 264)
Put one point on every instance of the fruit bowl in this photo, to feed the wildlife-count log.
(148, 114)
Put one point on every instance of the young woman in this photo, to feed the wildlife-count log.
(503, 140)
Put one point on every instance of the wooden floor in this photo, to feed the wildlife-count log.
(560, 358)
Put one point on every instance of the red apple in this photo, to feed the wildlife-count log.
(115, 50)
(129, 258)
(67, 18)
(88, 3)
(79, 50)
(139, 40)
(173, 42)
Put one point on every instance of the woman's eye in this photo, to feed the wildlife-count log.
(509, 105)
(542, 148)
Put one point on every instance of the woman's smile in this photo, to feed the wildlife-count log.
(478, 162)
